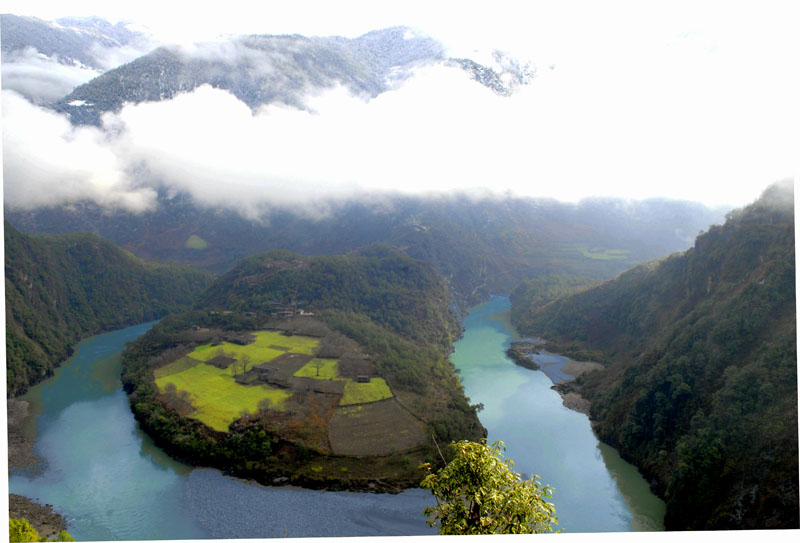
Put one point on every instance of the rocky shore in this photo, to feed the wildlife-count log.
(570, 398)
(42, 517)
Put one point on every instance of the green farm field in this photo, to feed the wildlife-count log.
(196, 242)
(375, 390)
(218, 399)
(320, 368)
(604, 254)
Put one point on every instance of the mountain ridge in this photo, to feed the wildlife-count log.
(261, 69)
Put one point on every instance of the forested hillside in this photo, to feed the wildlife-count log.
(391, 288)
(61, 288)
(700, 389)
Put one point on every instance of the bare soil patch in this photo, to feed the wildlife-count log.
(305, 419)
(287, 364)
(374, 429)
(318, 385)
(576, 402)
(222, 362)
(301, 326)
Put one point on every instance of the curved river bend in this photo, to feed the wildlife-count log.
(111, 483)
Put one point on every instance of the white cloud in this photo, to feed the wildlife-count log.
(46, 161)
(686, 100)
(41, 78)
(111, 57)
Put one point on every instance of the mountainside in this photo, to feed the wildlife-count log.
(261, 69)
(300, 335)
(45, 60)
(61, 288)
(700, 389)
(72, 40)
(480, 246)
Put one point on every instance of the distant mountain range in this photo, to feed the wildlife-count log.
(480, 246)
(257, 69)
(45, 60)
(262, 69)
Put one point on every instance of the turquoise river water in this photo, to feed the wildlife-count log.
(111, 483)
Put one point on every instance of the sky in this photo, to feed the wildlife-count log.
(687, 100)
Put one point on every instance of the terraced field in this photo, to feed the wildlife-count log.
(217, 398)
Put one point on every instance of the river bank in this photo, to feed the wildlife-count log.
(47, 522)
(561, 370)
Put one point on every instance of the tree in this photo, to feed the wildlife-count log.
(22, 530)
(241, 364)
(477, 492)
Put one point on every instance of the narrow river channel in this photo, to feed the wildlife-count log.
(595, 490)
(111, 483)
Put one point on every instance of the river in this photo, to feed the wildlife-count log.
(111, 483)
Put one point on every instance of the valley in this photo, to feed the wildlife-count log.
(261, 274)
